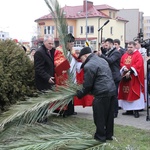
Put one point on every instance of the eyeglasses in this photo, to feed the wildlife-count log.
(130, 47)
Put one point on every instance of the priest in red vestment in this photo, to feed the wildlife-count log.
(62, 65)
(131, 89)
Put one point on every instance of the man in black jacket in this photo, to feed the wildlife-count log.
(99, 82)
(44, 67)
(113, 56)
(44, 64)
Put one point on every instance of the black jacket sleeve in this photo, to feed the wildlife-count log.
(112, 58)
(87, 84)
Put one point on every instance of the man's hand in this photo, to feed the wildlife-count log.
(51, 80)
(147, 58)
(127, 74)
(64, 71)
(79, 94)
(125, 69)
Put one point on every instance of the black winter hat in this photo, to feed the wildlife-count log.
(69, 38)
(85, 50)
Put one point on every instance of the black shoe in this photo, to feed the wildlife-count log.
(44, 121)
(136, 114)
(129, 112)
(115, 115)
(109, 138)
(119, 108)
(75, 113)
(100, 140)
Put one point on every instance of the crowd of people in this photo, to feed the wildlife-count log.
(113, 78)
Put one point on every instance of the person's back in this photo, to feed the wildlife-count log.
(103, 83)
(98, 80)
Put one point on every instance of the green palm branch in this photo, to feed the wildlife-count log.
(19, 130)
(61, 27)
(35, 108)
(48, 137)
(60, 22)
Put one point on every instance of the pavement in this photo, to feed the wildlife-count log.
(126, 120)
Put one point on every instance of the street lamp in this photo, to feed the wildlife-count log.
(86, 20)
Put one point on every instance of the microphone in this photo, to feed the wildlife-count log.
(106, 22)
(103, 25)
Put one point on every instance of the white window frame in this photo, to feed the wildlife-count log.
(71, 30)
(89, 29)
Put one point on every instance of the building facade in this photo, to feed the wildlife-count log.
(134, 24)
(4, 35)
(84, 25)
(146, 27)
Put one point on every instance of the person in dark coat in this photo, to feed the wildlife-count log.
(99, 82)
(44, 64)
(44, 68)
(113, 56)
(118, 47)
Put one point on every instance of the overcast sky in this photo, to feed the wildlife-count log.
(17, 16)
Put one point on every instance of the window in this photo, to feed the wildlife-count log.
(45, 30)
(81, 30)
(49, 30)
(110, 14)
(70, 29)
(79, 43)
(90, 29)
(111, 30)
(114, 15)
(93, 45)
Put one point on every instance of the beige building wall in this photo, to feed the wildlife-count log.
(40, 28)
(72, 22)
(146, 27)
(117, 27)
(114, 29)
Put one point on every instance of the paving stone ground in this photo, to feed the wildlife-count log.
(140, 122)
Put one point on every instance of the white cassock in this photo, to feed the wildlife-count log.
(72, 67)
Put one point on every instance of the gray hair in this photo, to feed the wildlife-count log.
(46, 37)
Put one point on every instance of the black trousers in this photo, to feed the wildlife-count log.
(70, 109)
(103, 114)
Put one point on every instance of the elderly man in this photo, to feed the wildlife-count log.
(44, 64)
(99, 82)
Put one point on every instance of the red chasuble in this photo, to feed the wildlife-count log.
(59, 59)
(86, 100)
(61, 64)
(130, 90)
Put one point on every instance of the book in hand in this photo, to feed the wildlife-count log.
(63, 66)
